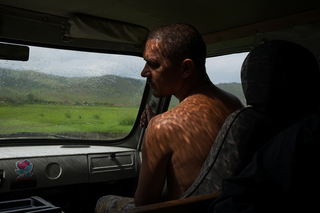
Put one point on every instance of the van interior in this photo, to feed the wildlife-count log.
(71, 94)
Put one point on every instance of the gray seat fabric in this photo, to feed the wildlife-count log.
(280, 81)
(282, 177)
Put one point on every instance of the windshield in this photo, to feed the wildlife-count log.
(73, 94)
(70, 94)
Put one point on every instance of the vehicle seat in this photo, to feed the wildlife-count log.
(282, 176)
(280, 81)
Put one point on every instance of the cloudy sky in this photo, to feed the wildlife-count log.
(73, 63)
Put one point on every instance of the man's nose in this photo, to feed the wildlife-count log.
(145, 72)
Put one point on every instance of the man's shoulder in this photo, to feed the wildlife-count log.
(167, 123)
(159, 132)
(163, 120)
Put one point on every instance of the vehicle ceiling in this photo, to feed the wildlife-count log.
(227, 26)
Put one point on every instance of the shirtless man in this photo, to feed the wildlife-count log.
(177, 142)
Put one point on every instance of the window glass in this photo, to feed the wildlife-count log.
(224, 72)
(62, 93)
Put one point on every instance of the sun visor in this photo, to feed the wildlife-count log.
(89, 27)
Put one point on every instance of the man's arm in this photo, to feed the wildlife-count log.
(155, 157)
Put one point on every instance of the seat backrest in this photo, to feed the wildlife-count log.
(281, 176)
(280, 81)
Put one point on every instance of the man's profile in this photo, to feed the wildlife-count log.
(178, 141)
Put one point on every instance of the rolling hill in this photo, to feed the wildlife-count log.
(234, 88)
(22, 86)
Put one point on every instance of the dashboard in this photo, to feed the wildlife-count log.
(48, 166)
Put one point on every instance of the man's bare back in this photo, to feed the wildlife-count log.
(178, 141)
(194, 124)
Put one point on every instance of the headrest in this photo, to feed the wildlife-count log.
(281, 75)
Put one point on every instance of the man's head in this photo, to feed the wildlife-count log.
(180, 41)
(173, 53)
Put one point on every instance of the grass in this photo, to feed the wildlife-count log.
(66, 119)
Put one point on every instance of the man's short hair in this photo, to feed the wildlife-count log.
(181, 41)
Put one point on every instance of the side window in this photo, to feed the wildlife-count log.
(70, 94)
(224, 72)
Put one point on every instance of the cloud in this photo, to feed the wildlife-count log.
(225, 69)
(78, 64)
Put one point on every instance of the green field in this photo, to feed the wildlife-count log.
(103, 107)
(90, 122)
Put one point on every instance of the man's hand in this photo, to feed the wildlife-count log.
(146, 116)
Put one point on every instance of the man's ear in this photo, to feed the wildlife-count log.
(188, 67)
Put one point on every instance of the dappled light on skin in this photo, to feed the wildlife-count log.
(181, 138)
(177, 142)
(160, 73)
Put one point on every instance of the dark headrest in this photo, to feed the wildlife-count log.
(281, 75)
